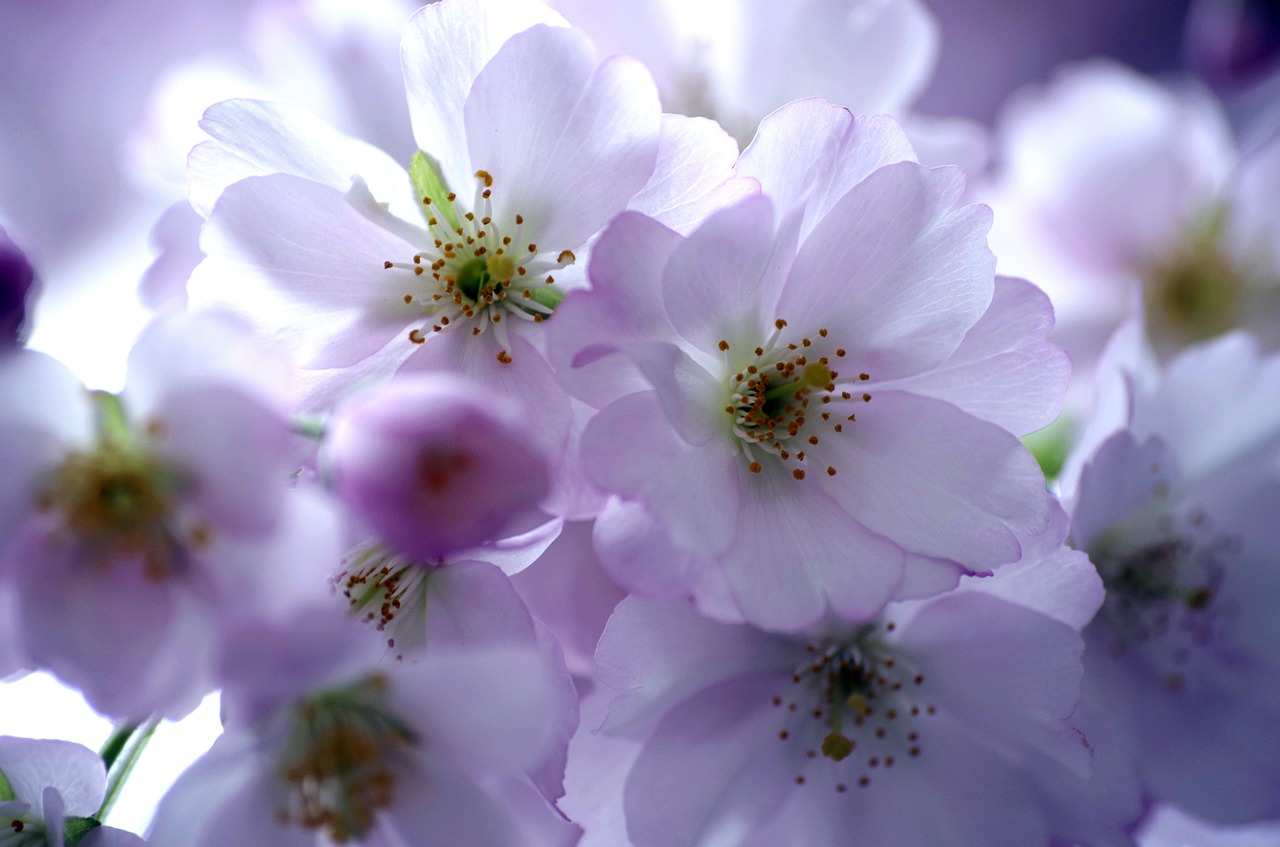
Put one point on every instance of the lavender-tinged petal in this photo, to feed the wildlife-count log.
(624, 304)
(445, 46)
(473, 605)
(637, 554)
(175, 238)
(873, 58)
(694, 175)
(684, 389)
(1028, 664)
(655, 654)
(1062, 584)
(314, 280)
(903, 479)
(516, 553)
(712, 769)
(238, 452)
(1005, 370)
(32, 766)
(254, 138)
(588, 136)
(568, 589)
(1123, 476)
(797, 552)
(893, 273)
(811, 152)
(694, 491)
(488, 710)
(134, 644)
(438, 800)
(229, 356)
(716, 286)
(109, 836)
(1229, 373)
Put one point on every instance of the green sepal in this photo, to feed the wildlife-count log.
(6, 790)
(546, 295)
(77, 828)
(113, 423)
(1051, 446)
(310, 426)
(427, 182)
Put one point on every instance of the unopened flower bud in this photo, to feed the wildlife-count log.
(435, 465)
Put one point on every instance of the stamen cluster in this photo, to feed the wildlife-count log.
(339, 762)
(481, 269)
(774, 396)
(865, 701)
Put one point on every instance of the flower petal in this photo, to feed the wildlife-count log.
(898, 472)
(445, 46)
(254, 138)
(568, 142)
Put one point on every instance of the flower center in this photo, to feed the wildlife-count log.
(117, 498)
(478, 269)
(854, 703)
(387, 590)
(1164, 598)
(1198, 292)
(787, 394)
(339, 762)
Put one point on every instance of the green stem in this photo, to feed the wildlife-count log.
(116, 742)
(124, 759)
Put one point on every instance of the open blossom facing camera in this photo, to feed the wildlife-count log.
(530, 146)
(818, 738)
(1176, 505)
(324, 741)
(786, 433)
(132, 524)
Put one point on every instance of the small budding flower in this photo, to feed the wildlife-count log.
(434, 464)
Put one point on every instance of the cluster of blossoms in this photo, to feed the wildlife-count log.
(561, 474)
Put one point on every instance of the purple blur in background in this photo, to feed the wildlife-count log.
(989, 48)
(17, 282)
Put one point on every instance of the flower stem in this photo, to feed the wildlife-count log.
(120, 753)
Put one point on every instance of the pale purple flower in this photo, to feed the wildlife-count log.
(54, 790)
(808, 422)
(323, 742)
(1121, 196)
(535, 146)
(434, 464)
(754, 738)
(736, 62)
(568, 590)
(133, 524)
(530, 145)
(1174, 497)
